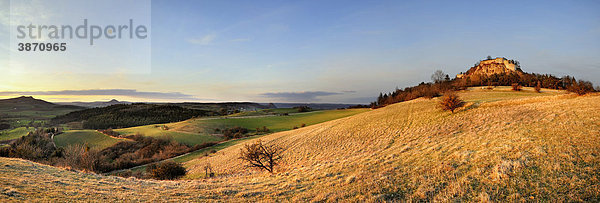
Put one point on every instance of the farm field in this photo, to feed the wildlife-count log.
(265, 112)
(181, 137)
(91, 138)
(14, 133)
(274, 123)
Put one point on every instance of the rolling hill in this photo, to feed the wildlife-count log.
(18, 113)
(502, 146)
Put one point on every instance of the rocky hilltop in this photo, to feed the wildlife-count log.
(490, 66)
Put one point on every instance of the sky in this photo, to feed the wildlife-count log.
(292, 51)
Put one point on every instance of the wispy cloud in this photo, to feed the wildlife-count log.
(111, 92)
(204, 40)
(308, 96)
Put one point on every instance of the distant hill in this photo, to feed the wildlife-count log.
(230, 106)
(322, 106)
(29, 103)
(240, 106)
(28, 111)
(95, 104)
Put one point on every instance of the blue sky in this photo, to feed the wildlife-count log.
(332, 51)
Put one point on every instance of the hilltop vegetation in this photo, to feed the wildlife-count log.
(127, 115)
(505, 77)
(501, 146)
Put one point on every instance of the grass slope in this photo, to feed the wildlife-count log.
(520, 148)
(181, 137)
(92, 138)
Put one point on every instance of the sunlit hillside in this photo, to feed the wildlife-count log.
(503, 145)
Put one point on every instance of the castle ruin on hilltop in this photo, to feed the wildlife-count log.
(499, 65)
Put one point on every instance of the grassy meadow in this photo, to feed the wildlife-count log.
(263, 112)
(91, 138)
(14, 133)
(181, 137)
(274, 123)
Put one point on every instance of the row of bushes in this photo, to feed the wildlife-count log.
(235, 132)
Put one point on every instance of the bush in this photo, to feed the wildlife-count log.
(167, 170)
(235, 132)
(516, 87)
(264, 129)
(451, 102)
(82, 158)
(303, 108)
(538, 87)
(36, 146)
(262, 156)
(110, 132)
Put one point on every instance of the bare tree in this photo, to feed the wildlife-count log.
(438, 76)
(262, 156)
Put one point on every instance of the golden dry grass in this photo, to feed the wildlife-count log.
(519, 148)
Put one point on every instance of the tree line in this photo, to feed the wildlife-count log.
(129, 115)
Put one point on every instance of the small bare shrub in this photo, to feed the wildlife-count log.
(538, 87)
(167, 170)
(262, 156)
(517, 87)
(81, 157)
(451, 102)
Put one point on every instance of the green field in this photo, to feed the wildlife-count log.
(91, 138)
(14, 133)
(265, 112)
(181, 137)
(274, 123)
(202, 130)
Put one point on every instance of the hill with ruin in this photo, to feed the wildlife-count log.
(490, 66)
